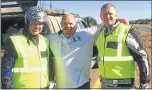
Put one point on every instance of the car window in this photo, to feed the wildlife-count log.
(84, 24)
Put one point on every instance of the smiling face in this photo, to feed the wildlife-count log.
(69, 25)
(108, 16)
(35, 27)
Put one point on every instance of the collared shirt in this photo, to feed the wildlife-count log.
(75, 54)
(109, 31)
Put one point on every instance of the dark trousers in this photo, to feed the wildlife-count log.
(85, 86)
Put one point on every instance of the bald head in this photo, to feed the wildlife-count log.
(68, 15)
(108, 15)
(69, 25)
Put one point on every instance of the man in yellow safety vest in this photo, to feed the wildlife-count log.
(27, 59)
(119, 47)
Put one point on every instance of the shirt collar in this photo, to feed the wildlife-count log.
(114, 26)
(62, 35)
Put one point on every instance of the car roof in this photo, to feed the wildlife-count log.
(12, 6)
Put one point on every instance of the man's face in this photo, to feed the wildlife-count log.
(108, 16)
(35, 27)
(69, 25)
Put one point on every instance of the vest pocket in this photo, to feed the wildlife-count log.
(112, 45)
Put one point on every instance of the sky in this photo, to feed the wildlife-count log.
(132, 10)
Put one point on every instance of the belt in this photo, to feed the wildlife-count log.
(117, 81)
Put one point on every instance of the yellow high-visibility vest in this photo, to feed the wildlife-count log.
(31, 66)
(115, 61)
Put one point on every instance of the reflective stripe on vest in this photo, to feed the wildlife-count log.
(25, 69)
(119, 40)
(34, 69)
(112, 59)
(124, 58)
(119, 56)
(119, 48)
(18, 42)
(30, 69)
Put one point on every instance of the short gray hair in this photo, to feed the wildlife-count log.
(106, 6)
